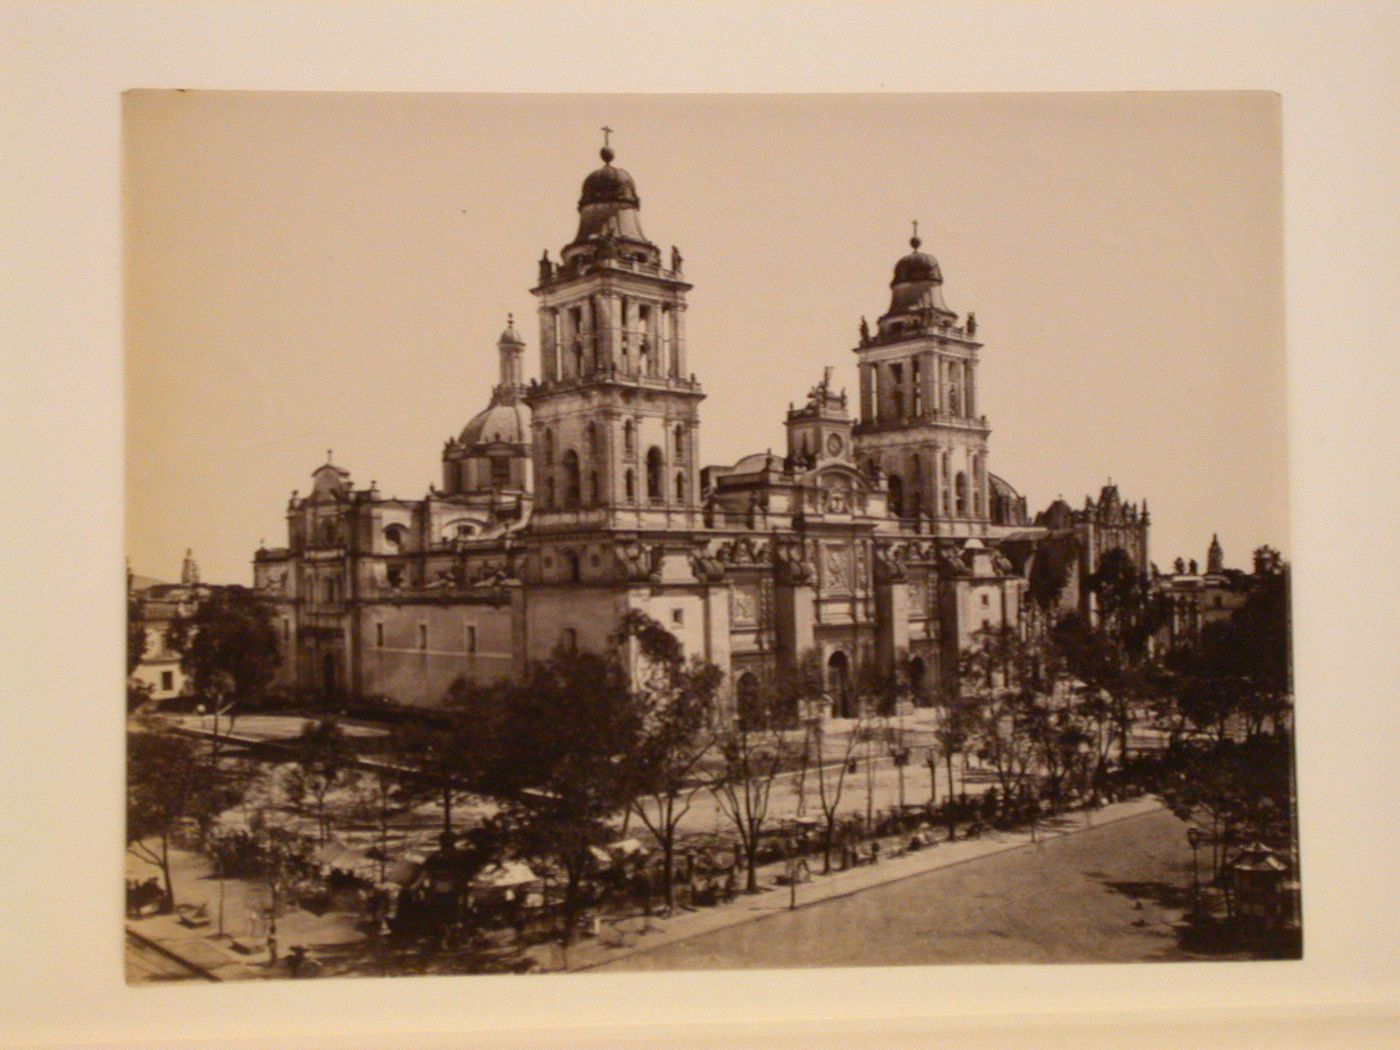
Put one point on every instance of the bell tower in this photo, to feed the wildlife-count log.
(615, 422)
(919, 420)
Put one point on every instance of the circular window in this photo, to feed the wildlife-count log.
(834, 444)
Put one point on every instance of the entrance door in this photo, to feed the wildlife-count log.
(328, 675)
(838, 683)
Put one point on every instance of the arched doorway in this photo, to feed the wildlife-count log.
(746, 701)
(328, 675)
(838, 684)
(918, 681)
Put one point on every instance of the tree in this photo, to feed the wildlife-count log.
(228, 648)
(379, 797)
(674, 705)
(751, 757)
(167, 784)
(565, 735)
(957, 724)
(448, 755)
(831, 783)
(323, 757)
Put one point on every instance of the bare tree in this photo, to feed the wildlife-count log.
(675, 708)
(751, 756)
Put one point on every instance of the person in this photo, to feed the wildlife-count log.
(875, 852)
(272, 947)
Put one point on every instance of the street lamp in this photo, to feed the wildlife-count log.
(1193, 836)
(931, 760)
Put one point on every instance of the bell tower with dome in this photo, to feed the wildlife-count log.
(919, 421)
(615, 417)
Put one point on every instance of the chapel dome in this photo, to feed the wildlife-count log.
(498, 424)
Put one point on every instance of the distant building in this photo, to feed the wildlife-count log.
(159, 605)
(574, 498)
(1196, 599)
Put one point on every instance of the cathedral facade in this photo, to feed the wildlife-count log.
(879, 537)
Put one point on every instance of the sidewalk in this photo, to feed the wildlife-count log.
(635, 935)
(243, 924)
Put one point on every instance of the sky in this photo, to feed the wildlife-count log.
(330, 271)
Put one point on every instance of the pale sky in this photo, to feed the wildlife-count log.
(330, 271)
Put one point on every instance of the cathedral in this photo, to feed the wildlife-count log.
(879, 537)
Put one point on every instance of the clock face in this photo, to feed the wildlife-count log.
(834, 444)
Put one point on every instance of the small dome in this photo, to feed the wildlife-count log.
(497, 424)
(510, 335)
(609, 185)
(916, 266)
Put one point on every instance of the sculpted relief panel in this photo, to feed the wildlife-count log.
(743, 606)
(836, 569)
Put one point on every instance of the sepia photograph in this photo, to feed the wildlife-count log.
(654, 532)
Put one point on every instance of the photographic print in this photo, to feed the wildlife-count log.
(647, 532)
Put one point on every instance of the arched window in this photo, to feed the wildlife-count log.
(680, 487)
(630, 482)
(962, 494)
(978, 483)
(595, 491)
(571, 479)
(547, 447)
(629, 438)
(945, 475)
(571, 564)
(593, 438)
(896, 495)
(680, 442)
(655, 492)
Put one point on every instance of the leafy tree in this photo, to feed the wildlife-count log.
(167, 784)
(228, 648)
(561, 762)
(449, 755)
(674, 704)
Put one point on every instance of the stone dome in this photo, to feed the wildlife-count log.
(608, 208)
(510, 336)
(916, 266)
(609, 185)
(499, 423)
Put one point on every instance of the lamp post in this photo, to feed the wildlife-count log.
(1193, 836)
(931, 760)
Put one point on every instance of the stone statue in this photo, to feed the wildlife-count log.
(676, 259)
(546, 267)
(864, 331)
(1180, 566)
(971, 323)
